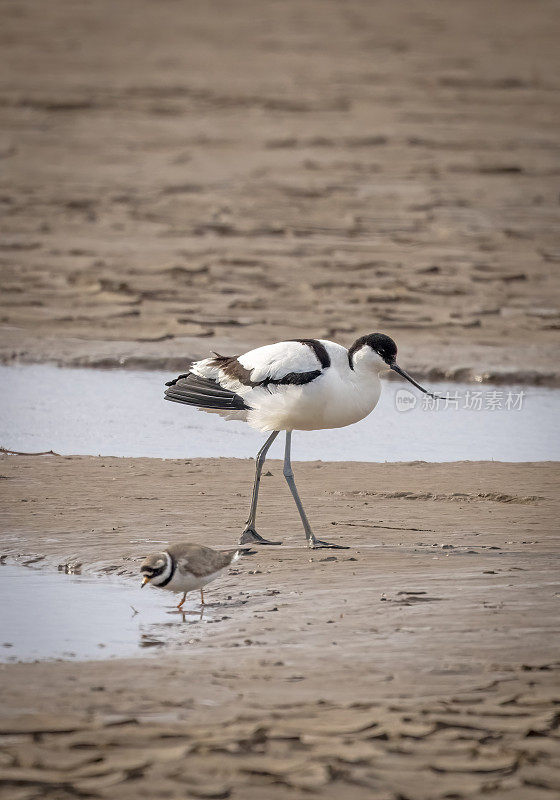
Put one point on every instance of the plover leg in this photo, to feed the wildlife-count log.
(202, 597)
(312, 541)
(250, 535)
(182, 601)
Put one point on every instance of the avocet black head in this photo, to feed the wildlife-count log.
(386, 350)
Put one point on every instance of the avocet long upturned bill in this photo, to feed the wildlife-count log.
(303, 384)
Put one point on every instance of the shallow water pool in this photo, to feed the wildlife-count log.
(50, 615)
(123, 413)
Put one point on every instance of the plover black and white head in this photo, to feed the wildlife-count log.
(184, 567)
(302, 384)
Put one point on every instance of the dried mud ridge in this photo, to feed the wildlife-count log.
(334, 170)
(458, 497)
(499, 740)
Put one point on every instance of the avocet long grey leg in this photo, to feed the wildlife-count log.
(312, 541)
(250, 535)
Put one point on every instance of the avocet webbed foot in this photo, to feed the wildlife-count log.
(250, 536)
(319, 544)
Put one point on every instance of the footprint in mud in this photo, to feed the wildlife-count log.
(408, 598)
(149, 641)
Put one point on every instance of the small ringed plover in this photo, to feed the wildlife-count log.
(184, 567)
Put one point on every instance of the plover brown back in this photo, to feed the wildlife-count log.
(184, 567)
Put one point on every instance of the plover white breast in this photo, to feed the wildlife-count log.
(184, 567)
(303, 384)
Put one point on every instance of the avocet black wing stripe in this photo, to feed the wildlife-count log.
(231, 367)
(194, 390)
(293, 379)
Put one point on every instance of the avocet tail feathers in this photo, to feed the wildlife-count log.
(193, 390)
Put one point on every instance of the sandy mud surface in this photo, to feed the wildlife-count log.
(420, 663)
(180, 177)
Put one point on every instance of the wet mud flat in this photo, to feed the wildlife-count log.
(421, 663)
(178, 180)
